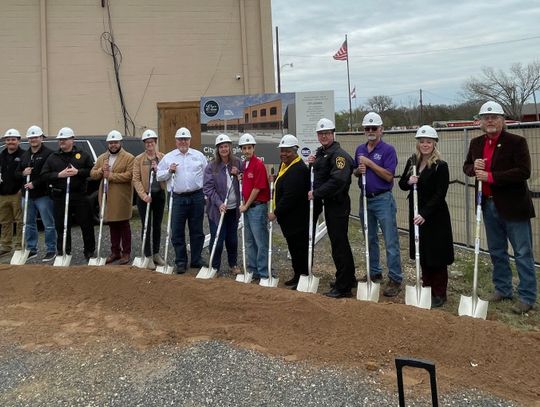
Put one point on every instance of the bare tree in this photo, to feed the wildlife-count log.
(380, 103)
(510, 89)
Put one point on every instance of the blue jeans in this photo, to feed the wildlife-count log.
(227, 234)
(188, 209)
(256, 236)
(382, 212)
(44, 205)
(499, 232)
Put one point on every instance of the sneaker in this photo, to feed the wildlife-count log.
(32, 254)
(377, 278)
(49, 256)
(521, 308)
(498, 297)
(158, 260)
(392, 288)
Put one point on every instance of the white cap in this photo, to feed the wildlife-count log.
(246, 139)
(34, 131)
(288, 140)
(427, 132)
(182, 132)
(372, 119)
(223, 138)
(148, 134)
(324, 125)
(12, 133)
(491, 108)
(65, 133)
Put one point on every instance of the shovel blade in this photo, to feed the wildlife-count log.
(244, 278)
(166, 269)
(467, 308)
(19, 257)
(97, 261)
(143, 262)
(308, 284)
(206, 273)
(62, 261)
(368, 292)
(418, 297)
(269, 282)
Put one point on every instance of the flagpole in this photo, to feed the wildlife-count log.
(349, 84)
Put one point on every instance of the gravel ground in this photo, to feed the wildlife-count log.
(205, 374)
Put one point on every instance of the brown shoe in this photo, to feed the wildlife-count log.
(236, 270)
(392, 288)
(521, 308)
(498, 297)
(124, 259)
(111, 258)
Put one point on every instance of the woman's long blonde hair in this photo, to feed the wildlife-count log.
(433, 158)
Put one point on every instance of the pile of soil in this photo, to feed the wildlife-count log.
(43, 306)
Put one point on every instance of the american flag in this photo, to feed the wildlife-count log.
(342, 55)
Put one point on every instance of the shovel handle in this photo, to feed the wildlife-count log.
(421, 364)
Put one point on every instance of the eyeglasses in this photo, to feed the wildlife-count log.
(371, 128)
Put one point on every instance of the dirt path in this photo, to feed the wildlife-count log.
(42, 306)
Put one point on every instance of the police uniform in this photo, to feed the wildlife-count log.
(333, 167)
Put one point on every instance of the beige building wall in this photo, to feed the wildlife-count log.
(54, 71)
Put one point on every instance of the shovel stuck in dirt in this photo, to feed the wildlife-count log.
(20, 256)
(271, 281)
(417, 295)
(309, 283)
(210, 272)
(100, 261)
(473, 306)
(143, 261)
(246, 277)
(65, 259)
(166, 269)
(368, 291)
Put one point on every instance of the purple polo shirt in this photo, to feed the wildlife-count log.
(384, 155)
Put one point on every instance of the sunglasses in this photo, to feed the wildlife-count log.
(371, 128)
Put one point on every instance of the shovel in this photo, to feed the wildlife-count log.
(270, 281)
(143, 261)
(474, 306)
(417, 295)
(246, 277)
(309, 283)
(166, 269)
(210, 272)
(20, 256)
(368, 291)
(100, 261)
(65, 259)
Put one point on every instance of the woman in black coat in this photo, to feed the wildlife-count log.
(435, 229)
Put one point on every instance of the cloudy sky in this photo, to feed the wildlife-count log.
(397, 47)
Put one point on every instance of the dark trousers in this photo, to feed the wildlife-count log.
(153, 233)
(336, 213)
(298, 243)
(436, 278)
(80, 208)
(227, 234)
(120, 237)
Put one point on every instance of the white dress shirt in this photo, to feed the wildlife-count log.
(189, 170)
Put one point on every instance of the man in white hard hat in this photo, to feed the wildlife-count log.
(501, 160)
(144, 164)
(332, 168)
(116, 165)
(10, 193)
(256, 194)
(39, 200)
(70, 161)
(187, 164)
(378, 161)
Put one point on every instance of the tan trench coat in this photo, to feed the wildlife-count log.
(120, 196)
(141, 174)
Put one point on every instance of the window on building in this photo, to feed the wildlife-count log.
(263, 112)
(246, 118)
(254, 114)
(273, 111)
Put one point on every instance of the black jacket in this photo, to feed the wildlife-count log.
(36, 161)
(333, 168)
(58, 161)
(11, 183)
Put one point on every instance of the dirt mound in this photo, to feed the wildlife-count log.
(42, 306)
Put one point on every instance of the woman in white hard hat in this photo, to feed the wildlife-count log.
(219, 175)
(433, 219)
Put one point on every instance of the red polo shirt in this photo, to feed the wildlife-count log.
(487, 154)
(255, 177)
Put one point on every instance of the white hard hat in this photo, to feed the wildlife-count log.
(427, 132)
(223, 138)
(325, 124)
(34, 131)
(491, 108)
(246, 139)
(182, 132)
(65, 133)
(372, 119)
(148, 134)
(288, 140)
(114, 135)
(12, 133)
